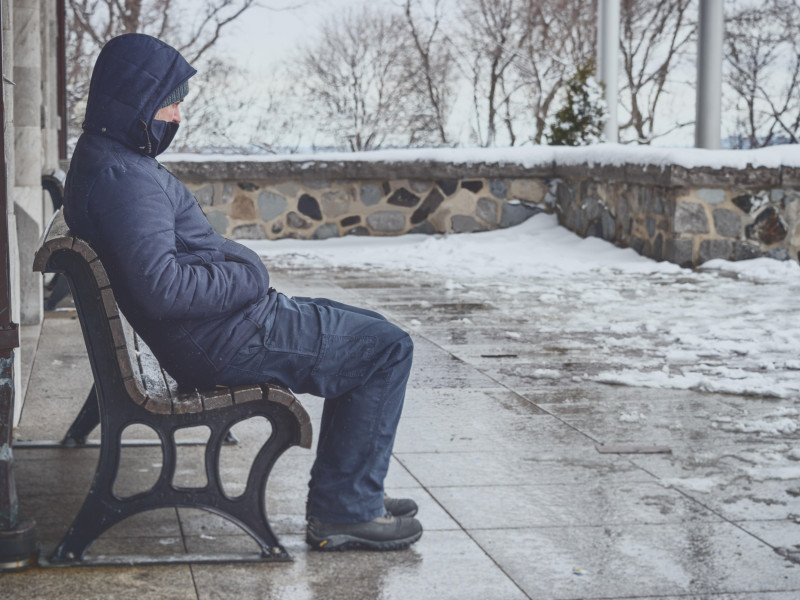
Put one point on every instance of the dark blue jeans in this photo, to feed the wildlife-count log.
(358, 362)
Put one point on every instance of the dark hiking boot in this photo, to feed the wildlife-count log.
(397, 507)
(400, 507)
(384, 533)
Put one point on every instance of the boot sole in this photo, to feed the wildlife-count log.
(337, 543)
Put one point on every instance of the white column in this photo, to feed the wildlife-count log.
(709, 75)
(607, 61)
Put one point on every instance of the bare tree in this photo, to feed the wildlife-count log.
(497, 31)
(193, 28)
(430, 69)
(563, 34)
(762, 44)
(355, 80)
(654, 37)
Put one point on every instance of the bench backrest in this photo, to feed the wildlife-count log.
(108, 334)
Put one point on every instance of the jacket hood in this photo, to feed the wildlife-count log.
(133, 75)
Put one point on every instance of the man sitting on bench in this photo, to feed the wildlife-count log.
(203, 304)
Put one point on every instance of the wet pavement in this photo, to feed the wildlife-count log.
(500, 444)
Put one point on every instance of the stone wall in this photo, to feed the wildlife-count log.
(322, 209)
(683, 215)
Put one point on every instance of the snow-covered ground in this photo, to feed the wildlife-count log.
(725, 327)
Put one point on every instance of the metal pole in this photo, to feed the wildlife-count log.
(607, 61)
(709, 75)
(61, 61)
(18, 547)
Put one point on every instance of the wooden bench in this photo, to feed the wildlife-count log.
(132, 388)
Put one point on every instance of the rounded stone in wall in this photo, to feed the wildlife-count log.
(296, 221)
(679, 251)
(498, 188)
(710, 249)
(335, 203)
(205, 195)
(420, 187)
(690, 217)
(309, 206)
(769, 227)
(227, 193)
(402, 197)
(428, 206)
(745, 251)
(448, 186)
(487, 210)
(370, 195)
(713, 196)
(248, 232)
(531, 190)
(425, 227)
(271, 205)
(218, 220)
(325, 231)
(360, 230)
(473, 186)
(387, 221)
(466, 224)
(350, 221)
(778, 253)
(515, 212)
(242, 209)
(288, 189)
(727, 223)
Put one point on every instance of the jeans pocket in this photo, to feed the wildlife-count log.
(346, 355)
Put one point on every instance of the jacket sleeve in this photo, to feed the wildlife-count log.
(134, 220)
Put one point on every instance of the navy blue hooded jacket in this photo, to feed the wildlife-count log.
(191, 294)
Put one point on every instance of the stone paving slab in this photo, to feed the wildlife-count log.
(560, 505)
(651, 560)
(101, 583)
(443, 565)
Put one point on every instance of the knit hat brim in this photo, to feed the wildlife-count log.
(178, 94)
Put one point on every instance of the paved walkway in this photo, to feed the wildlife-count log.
(516, 499)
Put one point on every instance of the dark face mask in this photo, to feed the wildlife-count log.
(161, 136)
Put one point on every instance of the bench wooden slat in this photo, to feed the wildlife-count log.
(127, 359)
(246, 393)
(125, 366)
(117, 334)
(187, 402)
(217, 398)
(150, 371)
(43, 254)
(135, 391)
(159, 405)
(109, 302)
(100, 273)
(84, 249)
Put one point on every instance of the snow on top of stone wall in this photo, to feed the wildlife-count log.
(531, 156)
